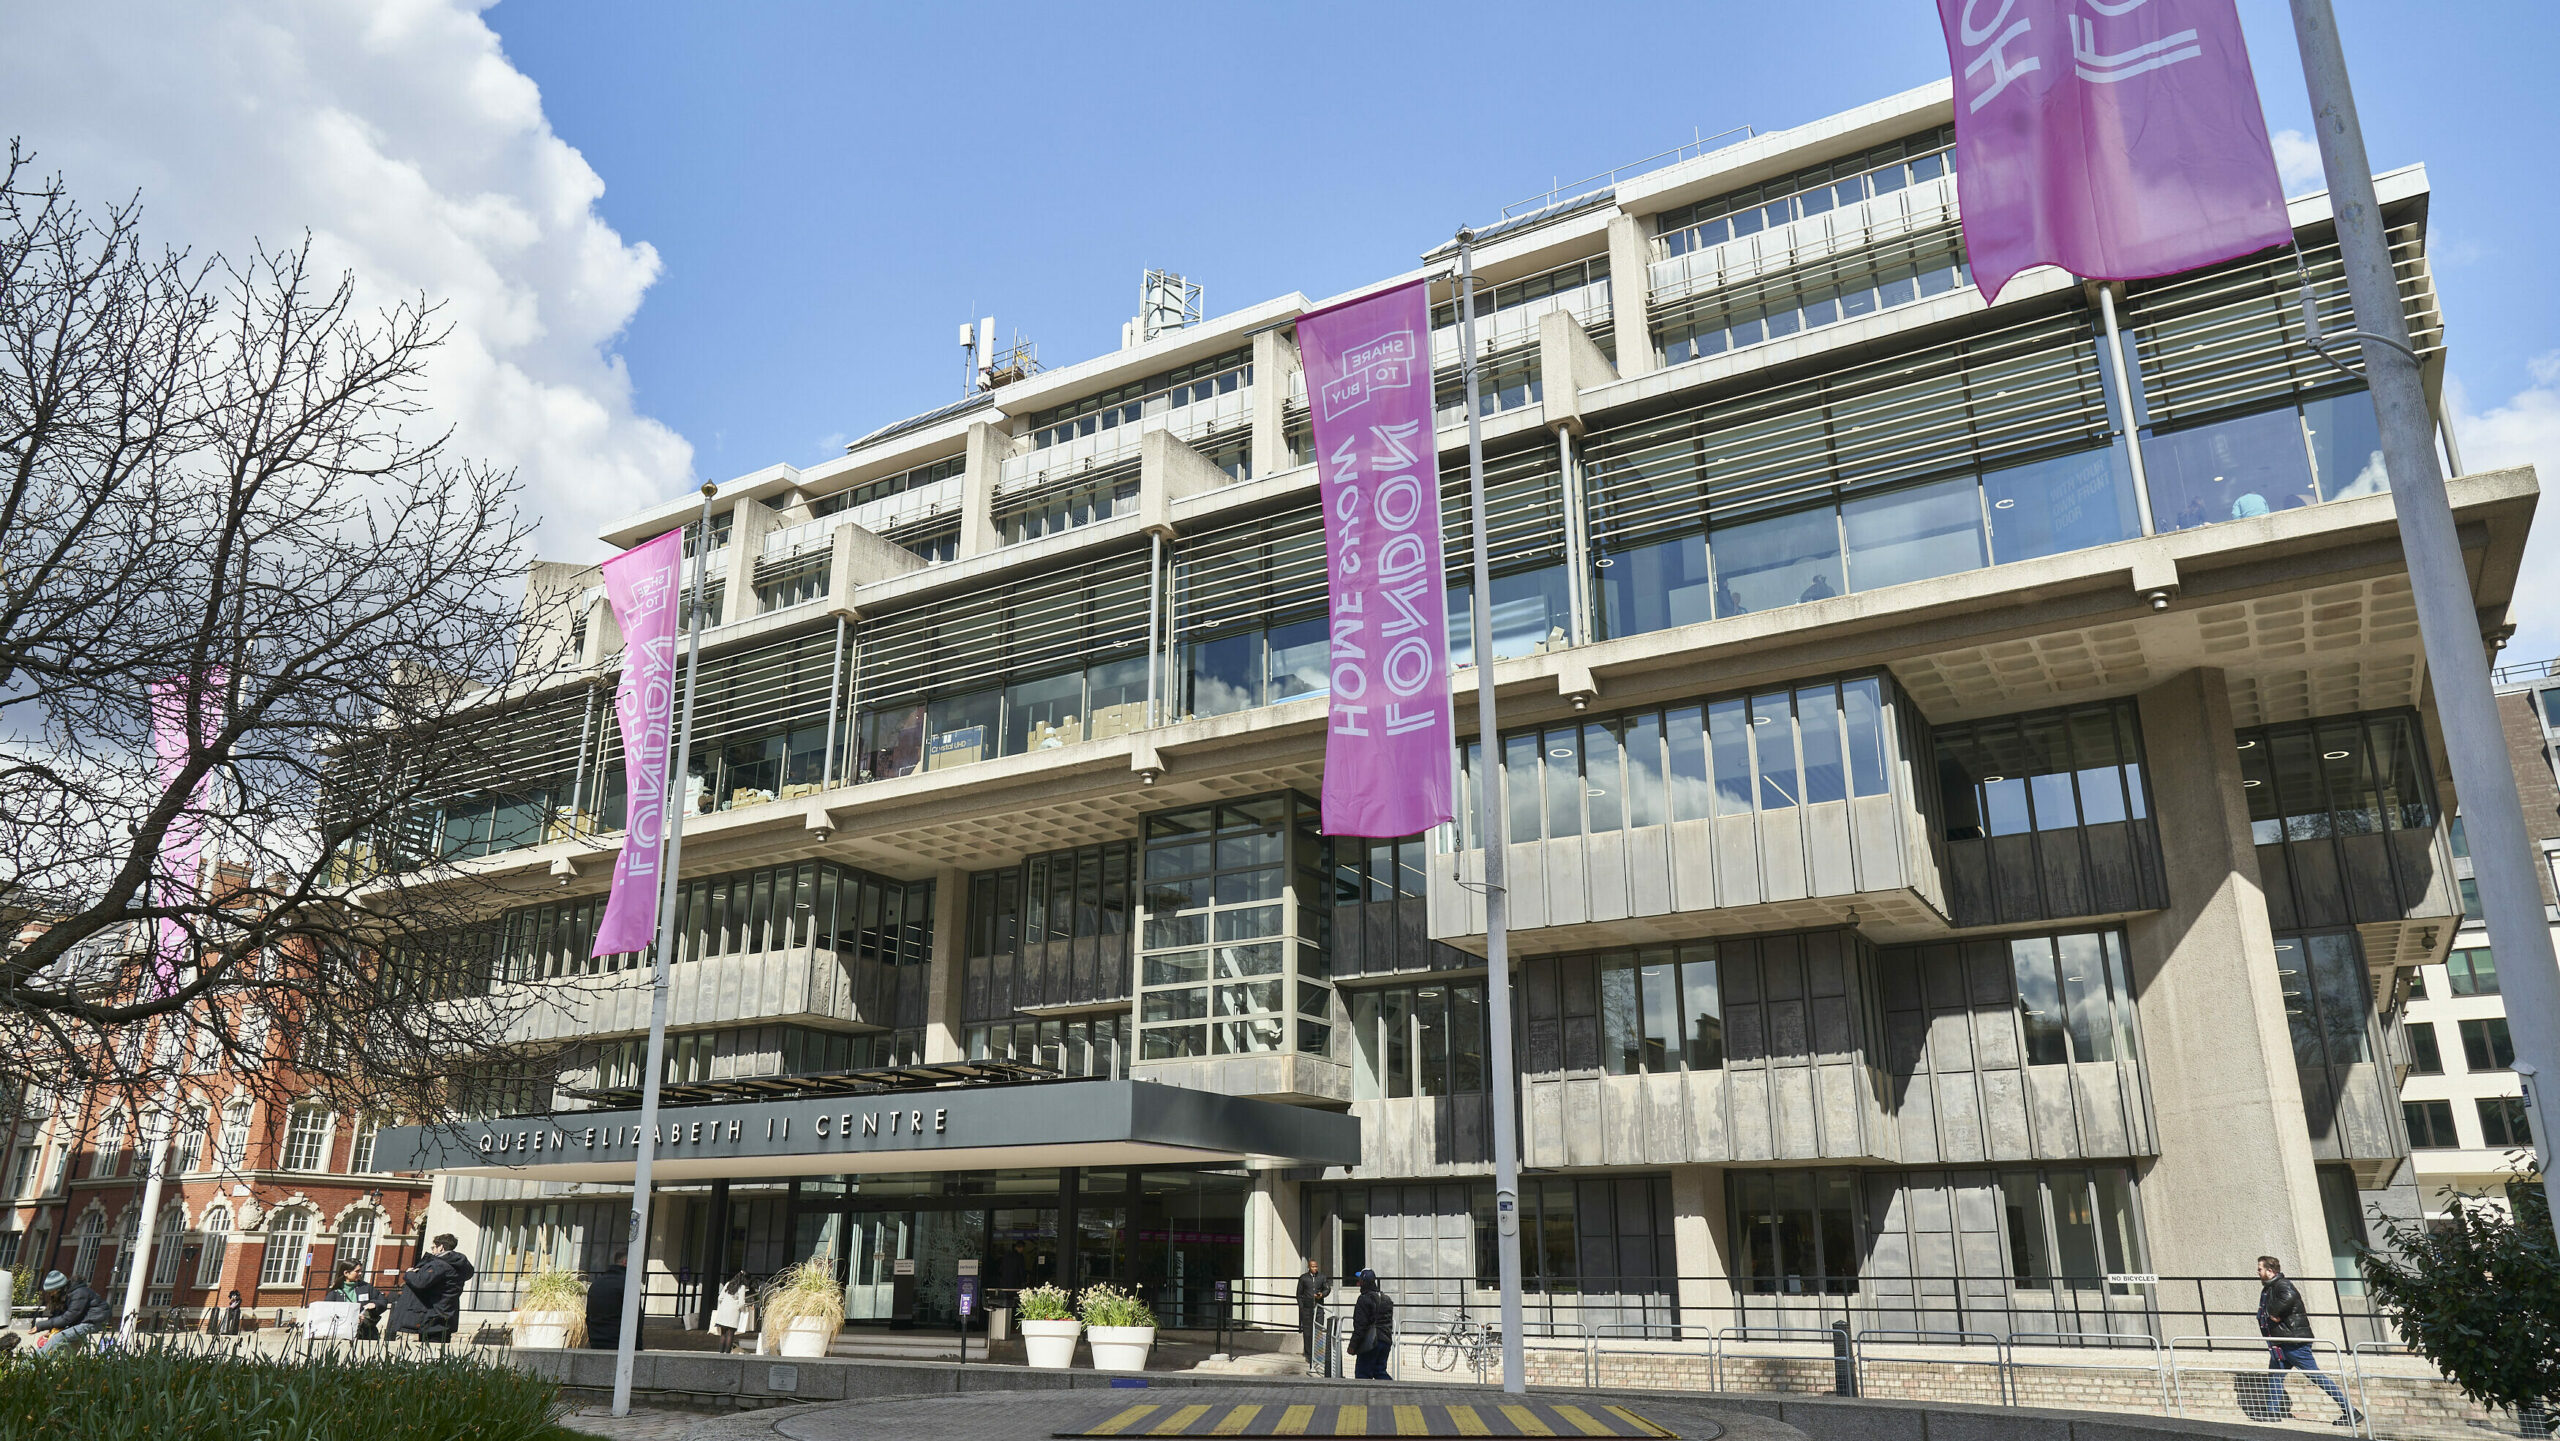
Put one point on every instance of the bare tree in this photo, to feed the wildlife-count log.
(211, 491)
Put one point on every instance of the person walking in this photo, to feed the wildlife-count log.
(1373, 1328)
(734, 1312)
(2287, 1328)
(223, 1320)
(1312, 1288)
(352, 1288)
(77, 1312)
(604, 1302)
(430, 1300)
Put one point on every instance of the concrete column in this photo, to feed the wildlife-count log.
(2235, 1176)
(1275, 360)
(984, 467)
(1700, 1249)
(746, 546)
(1169, 470)
(1630, 281)
(942, 1038)
(1273, 1251)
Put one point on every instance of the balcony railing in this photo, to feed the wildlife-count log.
(1929, 205)
(1226, 405)
(888, 513)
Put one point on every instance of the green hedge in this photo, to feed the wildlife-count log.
(183, 1390)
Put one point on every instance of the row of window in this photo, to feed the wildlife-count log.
(1104, 699)
(1811, 191)
(1080, 1046)
(2502, 1124)
(307, 1143)
(1827, 297)
(1770, 751)
(1226, 968)
(882, 489)
(2486, 1046)
(288, 1240)
(2047, 771)
(1805, 1232)
(1127, 404)
(2351, 776)
(1418, 1041)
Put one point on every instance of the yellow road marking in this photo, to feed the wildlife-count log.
(1409, 1422)
(1468, 1422)
(1585, 1422)
(1351, 1421)
(1528, 1422)
(1179, 1422)
(1123, 1421)
(1632, 1419)
(1293, 1421)
(1236, 1421)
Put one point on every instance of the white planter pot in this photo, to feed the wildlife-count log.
(807, 1337)
(1122, 1348)
(1051, 1344)
(543, 1330)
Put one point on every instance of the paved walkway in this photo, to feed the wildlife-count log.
(1318, 1411)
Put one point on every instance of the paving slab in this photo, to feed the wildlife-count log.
(1326, 1411)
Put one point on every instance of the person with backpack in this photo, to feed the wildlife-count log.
(2287, 1327)
(1373, 1328)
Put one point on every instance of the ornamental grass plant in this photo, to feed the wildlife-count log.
(186, 1390)
(1104, 1304)
(806, 1292)
(1042, 1303)
(554, 1292)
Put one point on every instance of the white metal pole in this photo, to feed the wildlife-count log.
(2448, 621)
(1497, 958)
(636, 1272)
(155, 1142)
(2124, 405)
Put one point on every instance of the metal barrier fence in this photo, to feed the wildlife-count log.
(1861, 1356)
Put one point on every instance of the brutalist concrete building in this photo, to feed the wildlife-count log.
(1973, 791)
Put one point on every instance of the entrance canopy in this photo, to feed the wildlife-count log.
(1032, 1125)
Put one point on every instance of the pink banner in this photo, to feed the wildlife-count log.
(182, 844)
(644, 584)
(2118, 139)
(1389, 731)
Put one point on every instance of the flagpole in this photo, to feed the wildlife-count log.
(2448, 622)
(1497, 941)
(636, 1267)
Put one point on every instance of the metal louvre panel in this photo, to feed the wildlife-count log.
(1753, 286)
(532, 745)
(1033, 495)
(976, 637)
(2031, 386)
(2233, 335)
(1253, 569)
(1523, 507)
(777, 685)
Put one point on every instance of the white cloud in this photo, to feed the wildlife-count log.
(2525, 430)
(398, 134)
(2298, 162)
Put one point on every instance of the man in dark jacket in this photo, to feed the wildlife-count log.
(604, 1302)
(430, 1299)
(78, 1313)
(1373, 1329)
(1312, 1289)
(2287, 1328)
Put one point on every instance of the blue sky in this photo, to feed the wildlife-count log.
(833, 189)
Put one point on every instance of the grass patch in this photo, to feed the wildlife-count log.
(182, 1390)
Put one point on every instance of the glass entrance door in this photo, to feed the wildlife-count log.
(880, 1240)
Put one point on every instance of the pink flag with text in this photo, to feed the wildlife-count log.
(2118, 139)
(182, 844)
(644, 585)
(1389, 731)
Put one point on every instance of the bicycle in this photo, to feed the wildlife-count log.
(1478, 1345)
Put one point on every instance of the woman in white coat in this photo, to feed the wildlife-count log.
(735, 1311)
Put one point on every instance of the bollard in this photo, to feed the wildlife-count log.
(1844, 1364)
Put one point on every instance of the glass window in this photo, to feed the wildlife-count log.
(1225, 674)
(2228, 470)
(1621, 1034)
(1818, 716)
(1647, 804)
(1655, 587)
(961, 729)
(1562, 765)
(2346, 445)
(2084, 997)
(2066, 503)
(1299, 660)
(1861, 699)
(1044, 714)
(2430, 1124)
(1701, 1009)
(1914, 533)
(2486, 1044)
(1729, 736)
(1773, 742)
(1782, 560)
(288, 1242)
(2472, 971)
(2039, 1001)
(2502, 1122)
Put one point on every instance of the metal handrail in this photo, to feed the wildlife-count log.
(1999, 1355)
(2110, 1340)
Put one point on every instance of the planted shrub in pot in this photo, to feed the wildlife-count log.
(804, 1309)
(552, 1313)
(1049, 1327)
(1123, 1328)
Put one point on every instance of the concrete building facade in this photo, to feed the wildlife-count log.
(1974, 799)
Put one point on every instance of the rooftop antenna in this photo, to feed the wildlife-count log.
(1166, 302)
(968, 359)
